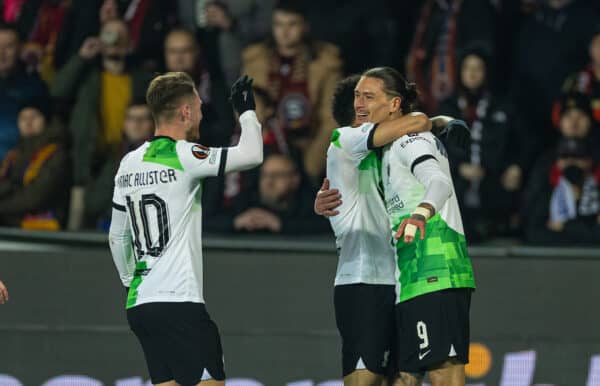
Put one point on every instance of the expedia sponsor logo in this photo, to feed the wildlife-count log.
(200, 151)
(413, 138)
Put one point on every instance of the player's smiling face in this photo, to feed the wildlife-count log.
(371, 103)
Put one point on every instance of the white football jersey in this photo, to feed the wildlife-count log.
(403, 192)
(361, 228)
(439, 261)
(159, 185)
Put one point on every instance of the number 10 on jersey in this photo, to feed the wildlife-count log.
(150, 215)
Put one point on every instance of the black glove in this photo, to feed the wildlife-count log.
(456, 134)
(242, 97)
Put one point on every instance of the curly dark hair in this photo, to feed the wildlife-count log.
(342, 106)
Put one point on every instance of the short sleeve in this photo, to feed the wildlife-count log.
(354, 141)
(201, 161)
(412, 149)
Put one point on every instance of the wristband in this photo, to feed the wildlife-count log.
(422, 211)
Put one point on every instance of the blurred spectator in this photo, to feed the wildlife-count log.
(365, 46)
(224, 26)
(102, 90)
(138, 127)
(489, 176)
(281, 204)
(575, 122)
(147, 22)
(39, 24)
(444, 28)
(553, 42)
(16, 86)
(182, 53)
(248, 19)
(222, 40)
(575, 117)
(566, 209)
(300, 75)
(81, 21)
(33, 174)
(274, 137)
(587, 81)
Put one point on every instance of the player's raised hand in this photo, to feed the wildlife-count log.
(242, 96)
(3, 293)
(327, 200)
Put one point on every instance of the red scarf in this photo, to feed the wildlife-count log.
(49, 20)
(134, 16)
(436, 81)
(556, 173)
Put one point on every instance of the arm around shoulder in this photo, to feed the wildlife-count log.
(389, 131)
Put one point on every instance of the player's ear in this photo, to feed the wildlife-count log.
(186, 112)
(395, 104)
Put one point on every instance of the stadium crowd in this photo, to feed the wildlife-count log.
(524, 75)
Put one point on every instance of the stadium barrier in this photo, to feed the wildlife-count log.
(534, 315)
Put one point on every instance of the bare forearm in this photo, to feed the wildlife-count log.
(389, 131)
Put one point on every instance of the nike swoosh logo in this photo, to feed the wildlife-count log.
(421, 356)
